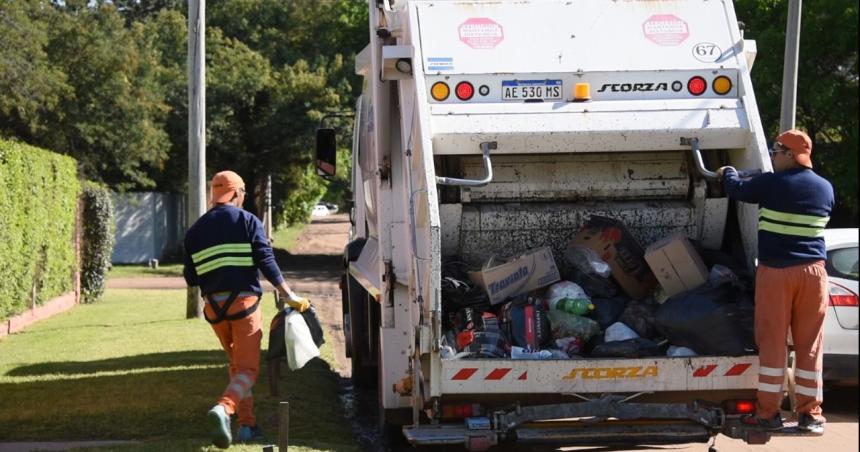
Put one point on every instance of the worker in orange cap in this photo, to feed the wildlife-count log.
(791, 282)
(223, 251)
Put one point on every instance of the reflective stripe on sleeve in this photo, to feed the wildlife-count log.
(221, 249)
(771, 371)
(800, 231)
(796, 218)
(225, 262)
(791, 223)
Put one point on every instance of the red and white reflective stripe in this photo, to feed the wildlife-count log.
(713, 370)
(497, 374)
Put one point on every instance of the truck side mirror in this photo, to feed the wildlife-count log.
(326, 144)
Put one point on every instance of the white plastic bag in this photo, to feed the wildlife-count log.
(522, 353)
(300, 343)
(587, 261)
(619, 332)
(680, 351)
(564, 289)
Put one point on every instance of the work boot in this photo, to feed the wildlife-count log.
(248, 434)
(810, 423)
(219, 426)
(753, 420)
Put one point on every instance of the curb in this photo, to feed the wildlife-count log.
(52, 307)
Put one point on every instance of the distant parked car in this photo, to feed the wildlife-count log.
(841, 323)
(332, 208)
(320, 210)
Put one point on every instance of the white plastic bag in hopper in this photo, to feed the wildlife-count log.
(300, 343)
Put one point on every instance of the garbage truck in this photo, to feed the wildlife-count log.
(490, 128)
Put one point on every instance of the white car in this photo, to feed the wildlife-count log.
(840, 323)
(320, 210)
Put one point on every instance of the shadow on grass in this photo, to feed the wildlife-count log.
(165, 402)
(126, 363)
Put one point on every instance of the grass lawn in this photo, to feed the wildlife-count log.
(131, 367)
(282, 238)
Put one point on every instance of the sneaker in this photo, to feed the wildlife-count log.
(811, 423)
(248, 434)
(753, 420)
(219, 426)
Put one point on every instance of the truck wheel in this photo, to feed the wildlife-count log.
(363, 372)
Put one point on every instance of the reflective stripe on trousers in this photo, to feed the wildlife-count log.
(241, 341)
(794, 297)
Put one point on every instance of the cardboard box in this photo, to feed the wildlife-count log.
(676, 264)
(617, 247)
(532, 270)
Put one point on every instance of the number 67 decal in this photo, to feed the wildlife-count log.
(707, 52)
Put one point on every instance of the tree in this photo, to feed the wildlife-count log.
(91, 89)
(29, 84)
(827, 94)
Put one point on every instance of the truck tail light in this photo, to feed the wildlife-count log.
(465, 91)
(739, 406)
(461, 411)
(840, 296)
(697, 85)
(440, 91)
(722, 85)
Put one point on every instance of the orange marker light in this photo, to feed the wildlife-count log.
(440, 91)
(722, 85)
(581, 92)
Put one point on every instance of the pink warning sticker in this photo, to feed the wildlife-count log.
(481, 33)
(665, 29)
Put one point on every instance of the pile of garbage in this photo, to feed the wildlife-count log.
(617, 300)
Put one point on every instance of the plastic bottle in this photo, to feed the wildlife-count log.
(575, 306)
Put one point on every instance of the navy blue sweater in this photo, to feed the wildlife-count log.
(223, 250)
(794, 207)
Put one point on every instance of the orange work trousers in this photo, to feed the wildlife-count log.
(794, 297)
(241, 340)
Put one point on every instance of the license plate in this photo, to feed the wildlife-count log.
(531, 90)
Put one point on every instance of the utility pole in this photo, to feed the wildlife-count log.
(789, 70)
(196, 131)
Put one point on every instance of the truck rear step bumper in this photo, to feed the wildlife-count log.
(565, 434)
(602, 435)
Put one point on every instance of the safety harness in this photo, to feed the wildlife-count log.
(221, 312)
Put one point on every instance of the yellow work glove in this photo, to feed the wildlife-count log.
(299, 304)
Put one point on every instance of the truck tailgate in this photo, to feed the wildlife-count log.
(600, 375)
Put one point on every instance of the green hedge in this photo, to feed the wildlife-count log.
(37, 223)
(98, 240)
